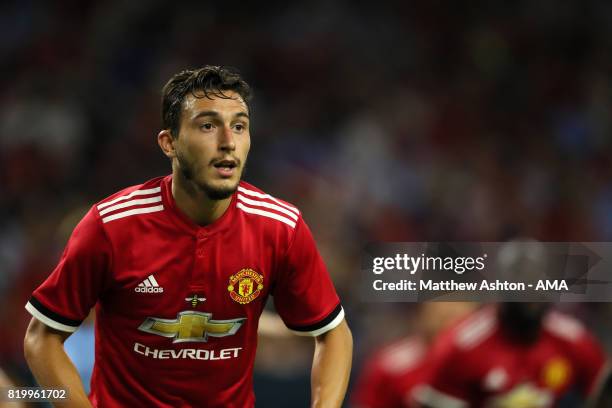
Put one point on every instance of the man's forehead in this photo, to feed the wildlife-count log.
(229, 100)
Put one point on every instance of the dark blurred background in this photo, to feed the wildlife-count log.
(385, 121)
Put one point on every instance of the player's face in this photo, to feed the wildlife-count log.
(524, 319)
(213, 142)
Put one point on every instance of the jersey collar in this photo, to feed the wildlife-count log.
(185, 223)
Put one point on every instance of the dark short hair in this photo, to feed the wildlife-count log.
(201, 83)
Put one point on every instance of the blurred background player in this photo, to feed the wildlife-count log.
(390, 376)
(516, 355)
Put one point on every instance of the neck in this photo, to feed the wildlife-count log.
(194, 202)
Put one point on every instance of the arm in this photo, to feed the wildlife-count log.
(44, 353)
(331, 366)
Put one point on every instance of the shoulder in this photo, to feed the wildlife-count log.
(564, 327)
(580, 345)
(142, 198)
(470, 332)
(265, 208)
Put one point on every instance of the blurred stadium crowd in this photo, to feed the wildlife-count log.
(389, 122)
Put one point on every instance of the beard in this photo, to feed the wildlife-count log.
(188, 171)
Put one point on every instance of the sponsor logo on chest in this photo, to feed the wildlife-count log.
(149, 285)
(191, 325)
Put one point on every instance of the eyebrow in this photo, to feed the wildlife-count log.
(216, 114)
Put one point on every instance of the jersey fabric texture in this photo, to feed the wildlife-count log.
(475, 364)
(390, 376)
(177, 304)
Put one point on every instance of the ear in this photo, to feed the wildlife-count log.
(166, 143)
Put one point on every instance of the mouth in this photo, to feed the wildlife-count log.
(225, 168)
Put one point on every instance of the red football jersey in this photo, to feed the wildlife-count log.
(475, 365)
(391, 375)
(177, 305)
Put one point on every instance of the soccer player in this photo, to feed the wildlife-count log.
(179, 269)
(393, 373)
(515, 355)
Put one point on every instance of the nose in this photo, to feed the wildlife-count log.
(226, 141)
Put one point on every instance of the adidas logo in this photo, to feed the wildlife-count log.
(149, 285)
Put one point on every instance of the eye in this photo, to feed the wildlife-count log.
(240, 127)
(206, 126)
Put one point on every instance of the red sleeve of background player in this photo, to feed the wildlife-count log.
(591, 363)
(447, 382)
(373, 388)
(304, 295)
(64, 299)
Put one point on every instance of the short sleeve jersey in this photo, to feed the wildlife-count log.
(177, 304)
(476, 365)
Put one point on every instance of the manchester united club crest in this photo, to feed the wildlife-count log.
(557, 373)
(245, 285)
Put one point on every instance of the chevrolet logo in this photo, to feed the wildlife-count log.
(191, 326)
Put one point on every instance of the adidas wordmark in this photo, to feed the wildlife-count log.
(149, 285)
